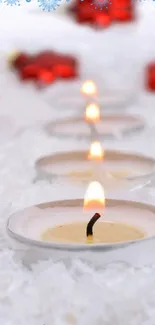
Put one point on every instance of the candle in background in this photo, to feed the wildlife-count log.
(89, 90)
(96, 155)
(92, 116)
(92, 113)
(96, 151)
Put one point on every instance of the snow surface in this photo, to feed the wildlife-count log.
(69, 293)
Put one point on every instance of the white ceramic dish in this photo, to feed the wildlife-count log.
(67, 98)
(25, 230)
(127, 170)
(112, 125)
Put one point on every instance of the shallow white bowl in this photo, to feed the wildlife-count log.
(112, 125)
(25, 228)
(140, 169)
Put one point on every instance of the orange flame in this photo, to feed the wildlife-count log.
(92, 113)
(94, 197)
(96, 151)
(89, 88)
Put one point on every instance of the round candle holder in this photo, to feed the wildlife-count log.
(68, 99)
(112, 125)
(26, 228)
(118, 169)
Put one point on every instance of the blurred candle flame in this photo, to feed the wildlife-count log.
(94, 197)
(96, 151)
(89, 88)
(92, 113)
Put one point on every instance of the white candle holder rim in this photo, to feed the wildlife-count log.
(79, 247)
(140, 125)
(83, 156)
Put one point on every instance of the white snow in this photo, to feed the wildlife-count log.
(69, 293)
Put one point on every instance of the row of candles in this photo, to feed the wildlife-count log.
(94, 197)
(94, 201)
(92, 116)
(66, 228)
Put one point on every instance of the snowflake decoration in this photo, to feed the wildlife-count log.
(49, 5)
(12, 2)
(100, 4)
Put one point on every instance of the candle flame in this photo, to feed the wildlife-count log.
(92, 113)
(96, 151)
(89, 88)
(94, 197)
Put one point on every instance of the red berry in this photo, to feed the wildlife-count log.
(65, 71)
(67, 60)
(21, 60)
(30, 71)
(86, 13)
(46, 76)
(103, 19)
(123, 10)
(46, 59)
(150, 76)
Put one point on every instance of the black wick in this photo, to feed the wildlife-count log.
(89, 230)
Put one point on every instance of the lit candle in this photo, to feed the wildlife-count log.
(96, 151)
(96, 155)
(89, 89)
(92, 113)
(92, 232)
(94, 199)
(92, 116)
(59, 229)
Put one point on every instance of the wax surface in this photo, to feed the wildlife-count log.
(104, 232)
(87, 174)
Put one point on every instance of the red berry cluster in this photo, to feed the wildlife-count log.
(89, 11)
(150, 76)
(45, 67)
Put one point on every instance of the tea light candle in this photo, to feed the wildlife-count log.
(92, 113)
(96, 151)
(92, 116)
(104, 232)
(96, 170)
(61, 229)
(89, 89)
(96, 155)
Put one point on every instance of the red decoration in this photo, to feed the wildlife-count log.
(123, 10)
(64, 71)
(85, 13)
(29, 71)
(20, 60)
(46, 76)
(103, 19)
(118, 10)
(150, 76)
(46, 66)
